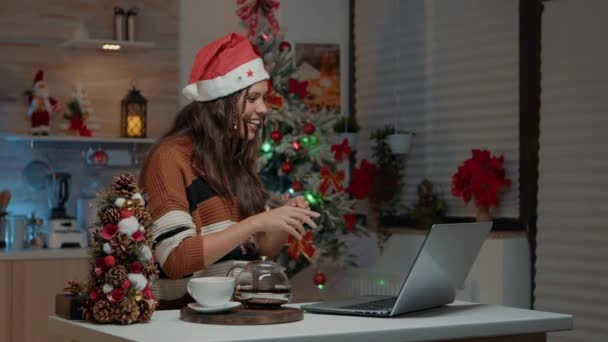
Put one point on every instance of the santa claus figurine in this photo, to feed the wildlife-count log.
(42, 106)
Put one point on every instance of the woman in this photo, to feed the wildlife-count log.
(205, 196)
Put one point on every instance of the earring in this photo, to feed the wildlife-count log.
(234, 114)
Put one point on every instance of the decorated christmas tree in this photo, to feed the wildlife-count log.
(299, 158)
(122, 266)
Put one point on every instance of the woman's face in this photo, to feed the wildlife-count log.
(255, 109)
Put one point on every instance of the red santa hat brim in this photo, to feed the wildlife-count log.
(224, 67)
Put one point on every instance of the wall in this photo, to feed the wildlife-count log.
(311, 21)
(571, 273)
(30, 34)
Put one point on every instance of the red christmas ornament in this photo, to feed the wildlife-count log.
(137, 236)
(296, 146)
(285, 46)
(109, 261)
(136, 267)
(287, 167)
(97, 158)
(297, 186)
(319, 278)
(309, 128)
(126, 214)
(95, 294)
(276, 136)
(126, 284)
(117, 295)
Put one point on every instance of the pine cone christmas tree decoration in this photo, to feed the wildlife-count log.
(143, 216)
(125, 185)
(103, 311)
(151, 271)
(110, 215)
(87, 314)
(146, 309)
(121, 244)
(116, 275)
(127, 312)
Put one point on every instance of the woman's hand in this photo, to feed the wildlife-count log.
(299, 202)
(288, 218)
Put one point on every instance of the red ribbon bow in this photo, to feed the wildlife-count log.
(298, 88)
(303, 247)
(248, 11)
(329, 179)
(340, 149)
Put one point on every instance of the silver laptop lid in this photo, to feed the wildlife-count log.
(441, 266)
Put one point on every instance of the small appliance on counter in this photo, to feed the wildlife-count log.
(62, 229)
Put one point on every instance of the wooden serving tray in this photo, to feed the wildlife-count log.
(243, 316)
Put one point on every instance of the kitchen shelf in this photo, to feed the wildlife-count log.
(13, 137)
(125, 45)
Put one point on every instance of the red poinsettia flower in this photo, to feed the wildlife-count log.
(350, 220)
(136, 267)
(117, 295)
(362, 181)
(481, 177)
(108, 231)
(304, 246)
(95, 294)
(137, 236)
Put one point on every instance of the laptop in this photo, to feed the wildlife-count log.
(440, 267)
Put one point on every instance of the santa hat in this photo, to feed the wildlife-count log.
(223, 67)
(39, 77)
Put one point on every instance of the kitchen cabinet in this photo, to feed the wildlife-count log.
(28, 285)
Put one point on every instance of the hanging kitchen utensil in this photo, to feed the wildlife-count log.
(35, 175)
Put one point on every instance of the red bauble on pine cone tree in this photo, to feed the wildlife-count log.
(287, 167)
(276, 136)
(309, 128)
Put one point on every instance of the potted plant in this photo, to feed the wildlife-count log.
(481, 177)
(347, 127)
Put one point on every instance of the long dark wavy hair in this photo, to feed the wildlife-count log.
(226, 160)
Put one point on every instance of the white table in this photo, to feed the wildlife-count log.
(460, 320)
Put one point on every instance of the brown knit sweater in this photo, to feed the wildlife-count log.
(184, 208)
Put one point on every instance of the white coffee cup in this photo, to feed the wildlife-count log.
(211, 291)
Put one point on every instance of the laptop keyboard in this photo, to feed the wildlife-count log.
(383, 304)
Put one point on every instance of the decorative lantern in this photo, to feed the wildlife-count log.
(133, 117)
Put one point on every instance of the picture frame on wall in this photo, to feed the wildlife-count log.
(318, 76)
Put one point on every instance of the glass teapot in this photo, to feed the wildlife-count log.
(261, 284)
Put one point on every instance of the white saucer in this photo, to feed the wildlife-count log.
(210, 309)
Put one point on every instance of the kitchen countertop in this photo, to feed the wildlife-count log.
(43, 254)
(456, 321)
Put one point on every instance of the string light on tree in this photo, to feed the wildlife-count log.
(296, 146)
(266, 147)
